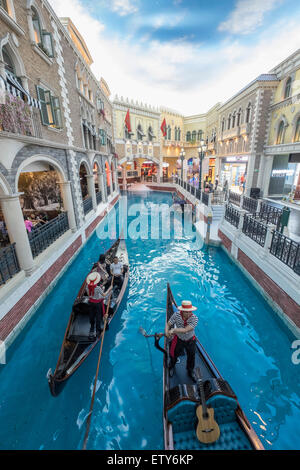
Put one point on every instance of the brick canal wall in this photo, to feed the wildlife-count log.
(20, 305)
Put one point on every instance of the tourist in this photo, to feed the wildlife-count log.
(103, 269)
(184, 338)
(216, 183)
(117, 270)
(96, 302)
(28, 224)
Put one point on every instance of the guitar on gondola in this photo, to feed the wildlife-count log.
(208, 430)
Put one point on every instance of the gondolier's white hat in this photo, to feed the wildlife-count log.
(93, 277)
(186, 306)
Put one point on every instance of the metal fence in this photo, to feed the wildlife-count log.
(232, 215)
(99, 197)
(249, 204)
(9, 265)
(254, 229)
(270, 214)
(41, 238)
(205, 198)
(287, 250)
(234, 198)
(87, 205)
(218, 197)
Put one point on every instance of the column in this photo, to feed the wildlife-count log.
(265, 179)
(250, 173)
(91, 190)
(100, 184)
(124, 178)
(17, 232)
(104, 191)
(68, 204)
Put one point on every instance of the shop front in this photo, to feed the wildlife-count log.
(234, 171)
(284, 175)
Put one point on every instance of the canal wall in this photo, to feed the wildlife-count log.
(22, 296)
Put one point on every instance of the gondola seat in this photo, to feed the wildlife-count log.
(184, 423)
(80, 328)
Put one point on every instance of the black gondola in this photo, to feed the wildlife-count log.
(182, 397)
(76, 345)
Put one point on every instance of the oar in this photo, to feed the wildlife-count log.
(88, 421)
(157, 337)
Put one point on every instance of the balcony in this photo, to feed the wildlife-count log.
(245, 128)
(230, 133)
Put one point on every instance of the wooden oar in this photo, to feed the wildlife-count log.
(88, 421)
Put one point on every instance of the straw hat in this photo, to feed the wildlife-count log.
(186, 306)
(93, 277)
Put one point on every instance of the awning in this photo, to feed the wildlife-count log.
(12, 80)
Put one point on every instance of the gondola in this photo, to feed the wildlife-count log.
(76, 345)
(182, 397)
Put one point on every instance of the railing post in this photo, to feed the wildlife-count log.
(242, 201)
(269, 236)
(259, 201)
(91, 190)
(210, 200)
(241, 221)
(68, 204)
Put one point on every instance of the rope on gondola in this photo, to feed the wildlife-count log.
(88, 421)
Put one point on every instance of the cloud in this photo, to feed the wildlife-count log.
(180, 74)
(247, 16)
(123, 7)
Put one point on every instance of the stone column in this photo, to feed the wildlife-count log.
(17, 232)
(91, 190)
(267, 170)
(250, 174)
(100, 184)
(68, 204)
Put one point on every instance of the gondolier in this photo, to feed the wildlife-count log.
(185, 322)
(96, 302)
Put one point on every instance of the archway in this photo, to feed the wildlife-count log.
(98, 183)
(83, 174)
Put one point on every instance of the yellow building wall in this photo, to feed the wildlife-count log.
(135, 119)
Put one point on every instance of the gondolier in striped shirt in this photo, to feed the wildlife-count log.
(181, 326)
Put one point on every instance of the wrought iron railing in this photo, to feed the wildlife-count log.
(218, 198)
(205, 198)
(198, 194)
(87, 205)
(99, 197)
(270, 214)
(254, 229)
(249, 204)
(42, 237)
(234, 198)
(108, 190)
(9, 265)
(232, 215)
(287, 250)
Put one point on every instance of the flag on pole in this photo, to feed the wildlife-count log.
(127, 121)
(164, 127)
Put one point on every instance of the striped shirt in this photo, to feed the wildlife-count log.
(177, 320)
(98, 294)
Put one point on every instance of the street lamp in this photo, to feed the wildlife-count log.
(182, 155)
(201, 153)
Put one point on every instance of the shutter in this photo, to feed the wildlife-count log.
(42, 99)
(57, 117)
(49, 107)
(48, 43)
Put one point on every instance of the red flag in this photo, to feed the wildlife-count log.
(127, 121)
(164, 127)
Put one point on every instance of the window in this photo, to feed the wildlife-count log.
(223, 125)
(151, 136)
(194, 136)
(42, 38)
(279, 139)
(9, 65)
(288, 88)
(169, 132)
(297, 133)
(188, 136)
(238, 122)
(50, 108)
(229, 122)
(140, 133)
(248, 113)
(103, 137)
(200, 134)
(233, 119)
(100, 104)
(178, 133)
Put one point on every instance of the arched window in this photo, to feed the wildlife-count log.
(223, 124)
(169, 132)
(233, 119)
(42, 38)
(238, 121)
(37, 28)
(176, 133)
(288, 88)
(188, 136)
(200, 135)
(194, 136)
(140, 133)
(248, 113)
(4, 5)
(229, 122)
(279, 139)
(151, 136)
(297, 133)
(179, 133)
(9, 65)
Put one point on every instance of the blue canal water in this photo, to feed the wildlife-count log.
(248, 343)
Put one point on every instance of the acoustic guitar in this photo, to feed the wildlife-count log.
(208, 430)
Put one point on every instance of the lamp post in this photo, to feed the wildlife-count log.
(182, 155)
(201, 153)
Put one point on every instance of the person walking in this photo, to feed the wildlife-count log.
(181, 327)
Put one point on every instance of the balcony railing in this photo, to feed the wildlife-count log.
(9, 265)
(87, 205)
(234, 198)
(249, 204)
(254, 229)
(287, 250)
(41, 238)
(270, 214)
(218, 197)
(232, 215)
(99, 197)
(205, 198)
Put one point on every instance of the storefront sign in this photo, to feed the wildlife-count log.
(241, 159)
(282, 173)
